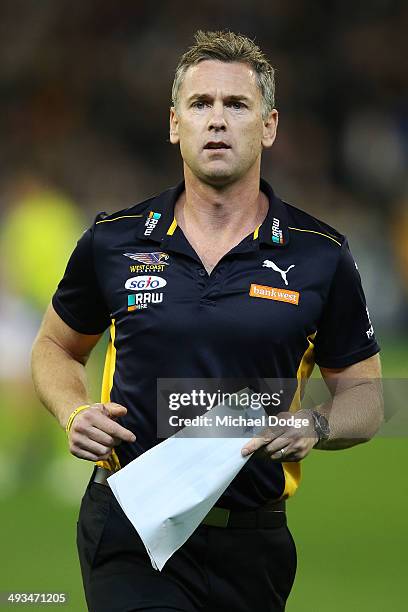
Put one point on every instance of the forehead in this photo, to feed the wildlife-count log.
(230, 78)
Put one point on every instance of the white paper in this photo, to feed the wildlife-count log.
(169, 489)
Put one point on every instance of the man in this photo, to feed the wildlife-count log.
(245, 286)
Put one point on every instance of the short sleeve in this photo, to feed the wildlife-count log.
(345, 334)
(78, 299)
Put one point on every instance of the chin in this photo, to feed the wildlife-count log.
(218, 179)
(216, 176)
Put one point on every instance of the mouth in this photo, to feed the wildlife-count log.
(216, 145)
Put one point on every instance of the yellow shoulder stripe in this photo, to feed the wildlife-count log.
(122, 217)
(297, 229)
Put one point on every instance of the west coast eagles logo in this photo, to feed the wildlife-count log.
(149, 258)
(148, 262)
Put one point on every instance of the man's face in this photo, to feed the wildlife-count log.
(218, 122)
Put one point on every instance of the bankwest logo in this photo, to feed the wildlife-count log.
(151, 222)
(272, 293)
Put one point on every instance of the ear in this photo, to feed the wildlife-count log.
(270, 125)
(174, 135)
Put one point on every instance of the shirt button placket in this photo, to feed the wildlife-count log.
(210, 287)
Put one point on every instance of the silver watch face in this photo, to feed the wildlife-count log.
(321, 425)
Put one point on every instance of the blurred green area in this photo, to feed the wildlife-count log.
(349, 518)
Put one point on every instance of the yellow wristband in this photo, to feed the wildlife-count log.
(73, 415)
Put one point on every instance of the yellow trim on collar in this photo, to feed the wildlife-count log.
(122, 217)
(297, 229)
(172, 227)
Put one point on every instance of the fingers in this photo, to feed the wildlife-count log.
(88, 456)
(94, 432)
(273, 449)
(294, 449)
(108, 426)
(266, 436)
(101, 417)
(82, 444)
(103, 438)
(295, 446)
(296, 442)
(253, 445)
(112, 409)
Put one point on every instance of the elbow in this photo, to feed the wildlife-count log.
(34, 353)
(376, 422)
(371, 426)
(375, 412)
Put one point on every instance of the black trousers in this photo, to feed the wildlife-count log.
(216, 570)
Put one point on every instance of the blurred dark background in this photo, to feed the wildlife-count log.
(84, 97)
(85, 92)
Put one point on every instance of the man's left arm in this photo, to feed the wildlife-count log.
(354, 414)
(356, 410)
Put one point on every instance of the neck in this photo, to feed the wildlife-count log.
(222, 210)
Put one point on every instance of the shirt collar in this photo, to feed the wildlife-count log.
(159, 223)
(158, 219)
(274, 229)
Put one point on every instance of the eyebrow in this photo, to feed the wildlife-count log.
(231, 97)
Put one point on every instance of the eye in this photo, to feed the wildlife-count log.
(236, 105)
(200, 104)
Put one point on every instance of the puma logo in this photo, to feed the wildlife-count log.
(269, 264)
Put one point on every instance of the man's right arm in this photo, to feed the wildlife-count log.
(59, 357)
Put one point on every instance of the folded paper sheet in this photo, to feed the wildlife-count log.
(169, 489)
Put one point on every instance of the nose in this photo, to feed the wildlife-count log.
(217, 120)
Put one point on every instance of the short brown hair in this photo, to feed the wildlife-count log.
(228, 47)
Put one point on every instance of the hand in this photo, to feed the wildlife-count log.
(296, 442)
(94, 431)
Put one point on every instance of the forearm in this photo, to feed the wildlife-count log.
(354, 415)
(59, 379)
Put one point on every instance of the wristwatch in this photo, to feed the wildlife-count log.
(321, 426)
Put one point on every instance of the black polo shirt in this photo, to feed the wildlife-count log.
(285, 297)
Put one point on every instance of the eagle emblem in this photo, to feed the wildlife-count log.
(149, 258)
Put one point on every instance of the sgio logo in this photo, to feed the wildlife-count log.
(145, 283)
